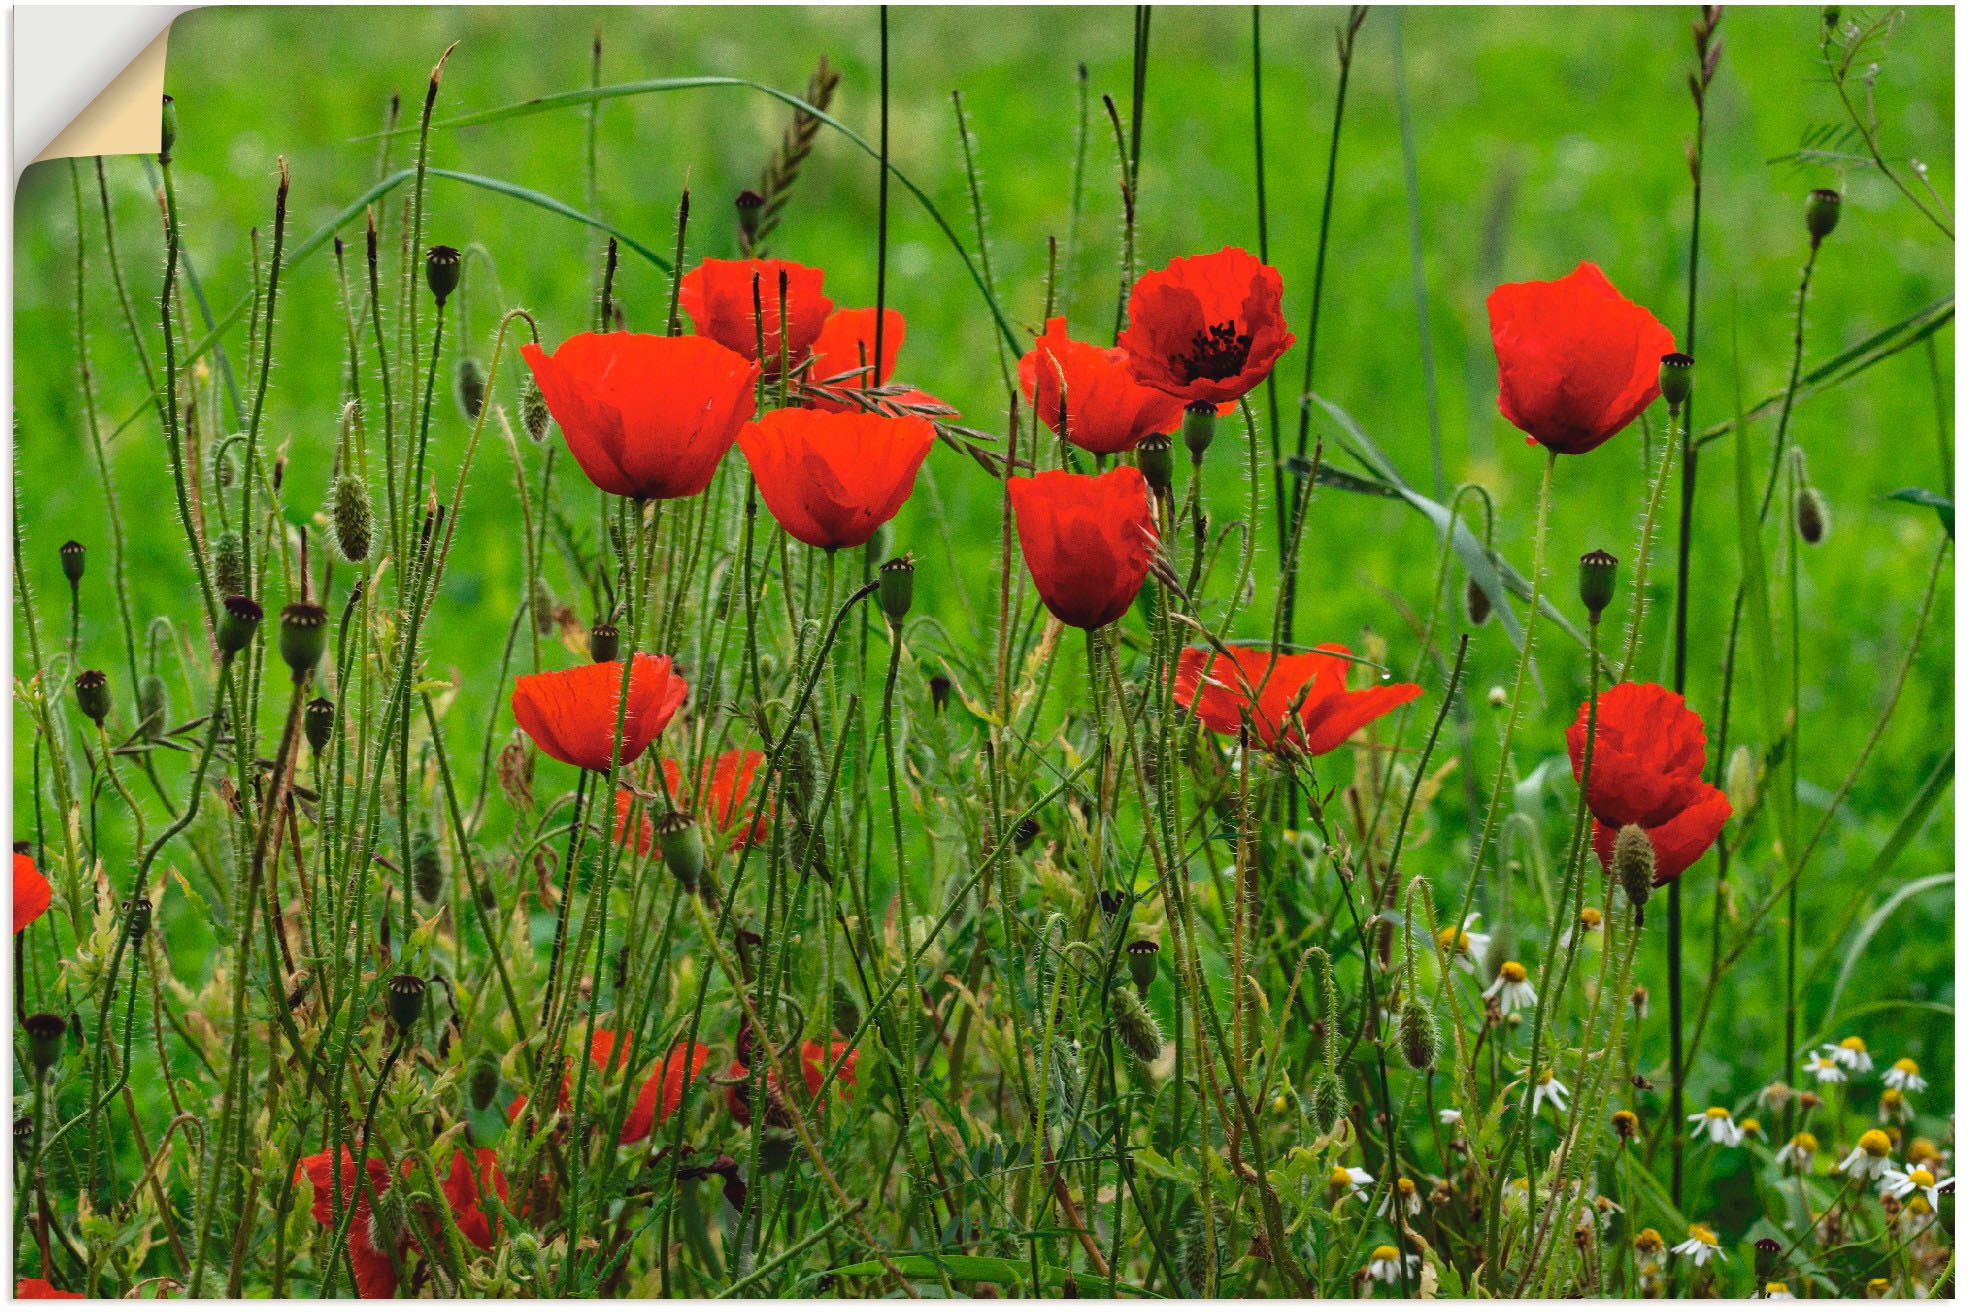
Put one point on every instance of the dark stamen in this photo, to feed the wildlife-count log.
(1219, 352)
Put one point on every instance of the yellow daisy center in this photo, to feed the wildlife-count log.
(1701, 1233)
(1387, 1253)
(1590, 917)
(1776, 1287)
(1454, 940)
(1749, 1125)
(1717, 1113)
(1853, 1044)
(1805, 1142)
(1648, 1240)
(1875, 1143)
(1907, 1064)
(1891, 1097)
(1921, 1176)
(1340, 1177)
(1407, 1186)
(1513, 973)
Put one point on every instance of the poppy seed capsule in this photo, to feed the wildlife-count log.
(229, 563)
(533, 410)
(1813, 517)
(44, 1039)
(1418, 1035)
(139, 922)
(351, 518)
(896, 586)
(318, 722)
(92, 694)
(303, 636)
(1476, 602)
(1154, 455)
(237, 625)
(471, 386)
(1198, 429)
(74, 558)
(153, 705)
(23, 1135)
(1598, 573)
(604, 643)
(1677, 379)
(406, 1000)
(1821, 210)
(1633, 865)
(1136, 1026)
(1143, 963)
(1328, 1102)
(443, 267)
(167, 130)
(482, 1084)
(683, 847)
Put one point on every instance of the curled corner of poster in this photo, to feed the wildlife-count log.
(88, 79)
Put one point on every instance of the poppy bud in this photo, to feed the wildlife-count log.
(1813, 516)
(482, 1084)
(1143, 963)
(92, 694)
(939, 691)
(533, 410)
(238, 624)
(228, 563)
(1821, 210)
(1136, 1027)
(1476, 602)
(1198, 428)
(897, 588)
(1154, 455)
(74, 557)
(406, 1000)
(1740, 780)
(386, 1221)
(303, 636)
(683, 847)
(1328, 1102)
(318, 722)
(139, 922)
(1598, 571)
(1677, 379)
(604, 643)
(153, 705)
(350, 517)
(471, 386)
(443, 267)
(1633, 865)
(426, 866)
(167, 131)
(44, 1039)
(751, 206)
(1418, 1034)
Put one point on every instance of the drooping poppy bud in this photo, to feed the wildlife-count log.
(1476, 603)
(74, 559)
(533, 412)
(426, 865)
(1633, 864)
(470, 382)
(153, 705)
(1136, 1026)
(351, 518)
(897, 588)
(239, 621)
(1144, 957)
(92, 694)
(750, 205)
(303, 636)
(139, 922)
(45, 1032)
(167, 131)
(1813, 517)
(1598, 572)
(1418, 1034)
(604, 642)
(228, 563)
(1821, 211)
(406, 1000)
(1676, 379)
(443, 267)
(1328, 1102)
(318, 722)
(482, 1084)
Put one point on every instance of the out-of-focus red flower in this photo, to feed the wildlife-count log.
(729, 788)
(665, 1083)
(816, 1059)
(1087, 539)
(1207, 327)
(646, 416)
(1576, 361)
(375, 1270)
(36, 1287)
(645, 837)
(571, 713)
(717, 295)
(1647, 759)
(846, 346)
(31, 892)
(1299, 699)
(833, 479)
(1103, 409)
(472, 1177)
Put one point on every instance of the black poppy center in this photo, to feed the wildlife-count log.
(1215, 353)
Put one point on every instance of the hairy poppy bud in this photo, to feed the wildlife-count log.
(1740, 780)
(939, 691)
(1328, 1102)
(426, 866)
(92, 694)
(1813, 516)
(482, 1084)
(350, 517)
(443, 267)
(1144, 959)
(1418, 1034)
(1821, 209)
(1154, 455)
(74, 558)
(897, 587)
(44, 1039)
(153, 705)
(683, 847)
(1677, 378)
(1598, 572)
(1024, 834)
(238, 623)
(750, 206)
(318, 722)
(167, 131)
(406, 1000)
(139, 922)
(1633, 864)
(1136, 1027)
(229, 563)
(533, 410)
(1198, 428)
(1476, 602)
(471, 386)
(303, 636)
(604, 643)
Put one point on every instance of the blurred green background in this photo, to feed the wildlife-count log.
(1542, 137)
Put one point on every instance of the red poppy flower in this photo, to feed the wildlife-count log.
(1087, 539)
(833, 479)
(472, 1177)
(35, 1287)
(666, 1081)
(1576, 361)
(1207, 327)
(1647, 761)
(645, 831)
(375, 1270)
(31, 892)
(1304, 692)
(717, 295)
(571, 713)
(846, 345)
(646, 416)
(815, 1061)
(731, 778)
(1104, 409)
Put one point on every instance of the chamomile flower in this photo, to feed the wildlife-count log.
(1648, 1244)
(1894, 1108)
(1466, 946)
(1512, 988)
(1775, 1289)
(1626, 1124)
(1408, 1196)
(1919, 1183)
(1904, 1075)
(1825, 1068)
(1349, 1180)
(1718, 1125)
(1868, 1160)
(1799, 1153)
(1449, 1116)
(1516, 1192)
(1549, 1090)
(1589, 922)
(1700, 1245)
(1772, 1097)
(1384, 1265)
(1751, 1128)
(1851, 1053)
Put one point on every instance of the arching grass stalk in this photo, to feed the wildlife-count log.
(260, 388)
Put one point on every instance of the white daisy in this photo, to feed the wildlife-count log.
(1894, 1107)
(1700, 1245)
(1826, 1069)
(1409, 1196)
(1869, 1160)
(1918, 1181)
(1589, 921)
(1512, 988)
(1350, 1179)
(1904, 1075)
(1850, 1053)
(1385, 1264)
(1549, 1090)
(1718, 1125)
(1466, 946)
(1799, 1153)
(1449, 1116)
(1776, 1289)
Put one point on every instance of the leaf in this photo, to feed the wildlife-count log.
(1867, 930)
(1162, 1168)
(996, 1270)
(1920, 496)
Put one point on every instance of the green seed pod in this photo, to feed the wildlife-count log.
(1476, 602)
(1328, 1102)
(92, 694)
(318, 721)
(1144, 959)
(303, 637)
(897, 588)
(802, 770)
(443, 267)
(683, 847)
(604, 643)
(1739, 781)
(1821, 211)
(351, 518)
(74, 558)
(1677, 378)
(1633, 864)
(1198, 428)
(406, 1000)
(426, 865)
(533, 412)
(1813, 516)
(139, 922)
(1136, 1027)
(482, 1084)
(470, 381)
(1418, 1034)
(167, 131)
(44, 1039)
(237, 625)
(153, 705)
(1598, 573)
(1155, 457)
(229, 563)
